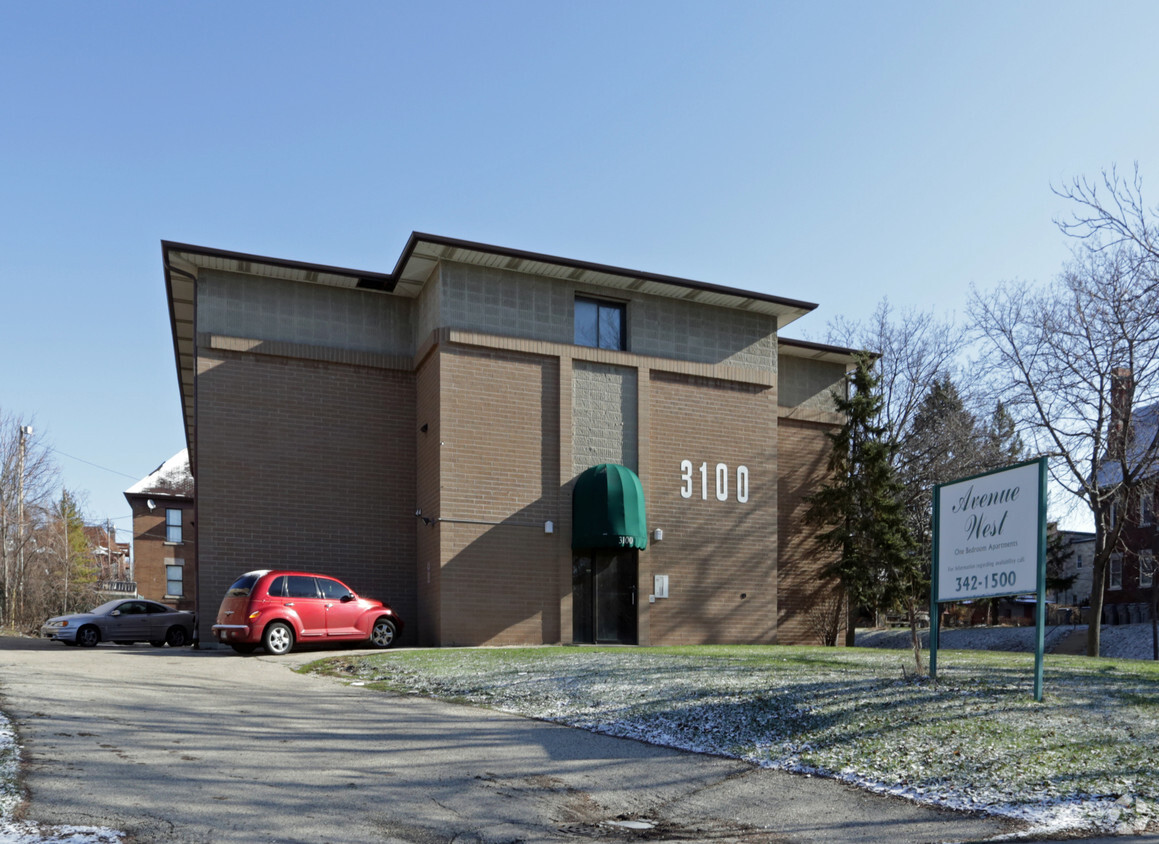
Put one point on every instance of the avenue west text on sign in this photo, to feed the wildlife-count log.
(988, 534)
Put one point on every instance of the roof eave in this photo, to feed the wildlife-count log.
(415, 263)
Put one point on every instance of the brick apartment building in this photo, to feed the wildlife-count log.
(1129, 593)
(164, 537)
(429, 435)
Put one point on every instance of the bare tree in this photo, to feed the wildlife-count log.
(1110, 214)
(62, 574)
(826, 616)
(27, 479)
(1071, 360)
(914, 348)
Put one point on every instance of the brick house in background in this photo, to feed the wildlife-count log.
(448, 435)
(164, 539)
(111, 558)
(1129, 590)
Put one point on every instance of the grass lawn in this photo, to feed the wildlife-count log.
(1086, 757)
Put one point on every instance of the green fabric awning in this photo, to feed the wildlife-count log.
(607, 509)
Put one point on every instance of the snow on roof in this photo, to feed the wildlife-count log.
(1141, 448)
(171, 478)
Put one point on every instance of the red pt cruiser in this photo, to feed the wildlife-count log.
(276, 609)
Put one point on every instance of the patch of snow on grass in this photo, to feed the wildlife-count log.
(1085, 758)
(1126, 641)
(1018, 639)
(1122, 641)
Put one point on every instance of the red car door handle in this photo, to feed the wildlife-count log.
(288, 604)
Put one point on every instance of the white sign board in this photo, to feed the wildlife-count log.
(987, 533)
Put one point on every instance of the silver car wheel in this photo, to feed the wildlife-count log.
(88, 636)
(278, 639)
(382, 635)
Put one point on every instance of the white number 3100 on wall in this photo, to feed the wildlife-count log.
(722, 478)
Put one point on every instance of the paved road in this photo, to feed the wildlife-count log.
(207, 746)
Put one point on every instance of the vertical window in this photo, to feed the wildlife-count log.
(1115, 572)
(599, 324)
(1080, 561)
(1114, 517)
(1146, 569)
(174, 581)
(1146, 507)
(173, 525)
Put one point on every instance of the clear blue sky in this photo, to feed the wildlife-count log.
(833, 152)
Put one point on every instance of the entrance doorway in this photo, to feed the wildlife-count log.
(604, 597)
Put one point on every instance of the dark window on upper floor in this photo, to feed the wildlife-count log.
(600, 325)
(173, 526)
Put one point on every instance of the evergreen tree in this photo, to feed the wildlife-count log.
(943, 444)
(860, 506)
(1003, 446)
(78, 571)
(1057, 555)
(946, 442)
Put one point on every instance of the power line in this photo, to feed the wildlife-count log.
(96, 465)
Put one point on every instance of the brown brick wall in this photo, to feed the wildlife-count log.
(150, 550)
(428, 571)
(804, 455)
(713, 552)
(309, 465)
(499, 457)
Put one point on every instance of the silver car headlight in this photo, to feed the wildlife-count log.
(61, 623)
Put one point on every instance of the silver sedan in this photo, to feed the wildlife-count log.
(123, 621)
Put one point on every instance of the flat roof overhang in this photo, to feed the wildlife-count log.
(809, 350)
(423, 252)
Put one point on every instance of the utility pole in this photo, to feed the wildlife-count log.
(65, 511)
(25, 432)
(4, 611)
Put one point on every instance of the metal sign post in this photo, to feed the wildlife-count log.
(990, 542)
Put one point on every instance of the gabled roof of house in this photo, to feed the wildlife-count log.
(172, 479)
(1141, 448)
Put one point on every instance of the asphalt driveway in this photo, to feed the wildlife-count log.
(207, 746)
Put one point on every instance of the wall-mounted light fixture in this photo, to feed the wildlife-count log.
(658, 534)
(549, 526)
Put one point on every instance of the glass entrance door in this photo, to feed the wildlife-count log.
(604, 597)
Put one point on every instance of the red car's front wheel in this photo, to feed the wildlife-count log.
(383, 633)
